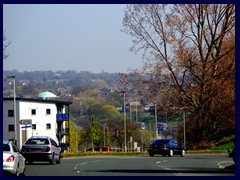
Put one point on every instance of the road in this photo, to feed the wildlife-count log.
(190, 165)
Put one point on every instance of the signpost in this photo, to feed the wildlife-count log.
(25, 122)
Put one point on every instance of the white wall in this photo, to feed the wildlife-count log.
(24, 111)
(7, 105)
(41, 119)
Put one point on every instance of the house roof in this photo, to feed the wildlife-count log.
(46, 95)
(60, 102)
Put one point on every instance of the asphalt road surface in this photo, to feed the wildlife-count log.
(190, 165)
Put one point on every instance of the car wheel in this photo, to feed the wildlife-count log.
(23, 173)
(51, 160)
(182, 154)
(170, 153)
(29, 162)
(17, 171)
(59, 159)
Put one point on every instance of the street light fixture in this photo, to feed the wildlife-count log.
(15, 109)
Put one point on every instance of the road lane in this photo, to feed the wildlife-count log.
(190, 165)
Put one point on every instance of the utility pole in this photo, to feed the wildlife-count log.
(124, 119)
(15, 108)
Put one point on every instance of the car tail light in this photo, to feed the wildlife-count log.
(164, 146)
(48, 149)
(150, 146)
(10, 158)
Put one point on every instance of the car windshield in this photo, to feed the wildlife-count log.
(6, 147)
(161, 141)
(37, 141)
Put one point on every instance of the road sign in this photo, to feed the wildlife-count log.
(25, 121)
(25, 127)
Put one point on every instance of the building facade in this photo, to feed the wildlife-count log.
(35, 117)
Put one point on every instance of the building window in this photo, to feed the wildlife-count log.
(48, 126)
(10, 113)
(33, 111)
(11, 127)
(48, 111)
(34, 126)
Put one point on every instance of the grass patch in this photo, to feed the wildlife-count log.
(95, 153)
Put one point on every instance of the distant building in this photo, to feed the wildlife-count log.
(35, 117)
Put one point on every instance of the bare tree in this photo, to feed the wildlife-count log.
(189, 51)
(5, 45)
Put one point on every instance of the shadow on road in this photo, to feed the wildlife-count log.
(193, 170)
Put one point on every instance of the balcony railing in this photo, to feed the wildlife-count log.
(63, 131)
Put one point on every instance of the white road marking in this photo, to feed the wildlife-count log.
(96, 161)
(83, 163)
(223, 164)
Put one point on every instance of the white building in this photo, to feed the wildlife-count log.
(35, 117)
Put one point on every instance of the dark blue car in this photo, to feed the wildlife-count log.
(166, 147)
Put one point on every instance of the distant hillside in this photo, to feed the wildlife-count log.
(67, 78)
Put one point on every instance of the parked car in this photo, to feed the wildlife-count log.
(166, 147)
(13, 161)
(41, 148)
(231, 154)
(101, 149)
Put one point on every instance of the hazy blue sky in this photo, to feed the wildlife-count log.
(67, 37)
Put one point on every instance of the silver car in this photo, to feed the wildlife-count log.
(41, 148)
(13, 161)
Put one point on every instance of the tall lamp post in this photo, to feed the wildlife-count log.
(184, 127)
(15, 109)
(124, 119)
(136, 91)
(156, 120)
(125, 125)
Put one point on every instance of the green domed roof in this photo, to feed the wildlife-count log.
(46, 95)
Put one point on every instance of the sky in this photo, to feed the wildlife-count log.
(80, 37)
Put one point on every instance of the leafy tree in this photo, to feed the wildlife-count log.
(116, 127)
(74, 137)
(98, 83)
(19, 90)
(95, 108)
(109, 112)
(94, 131)
(189, 52)
(107, 137)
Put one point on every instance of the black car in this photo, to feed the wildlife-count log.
(166, 147)
(232, 154)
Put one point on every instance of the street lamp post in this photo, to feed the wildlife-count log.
(184, 128)
(104, 135)
(125, 125)
(124, 119)
(156, 120)
(15, 109)
(136, 91)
